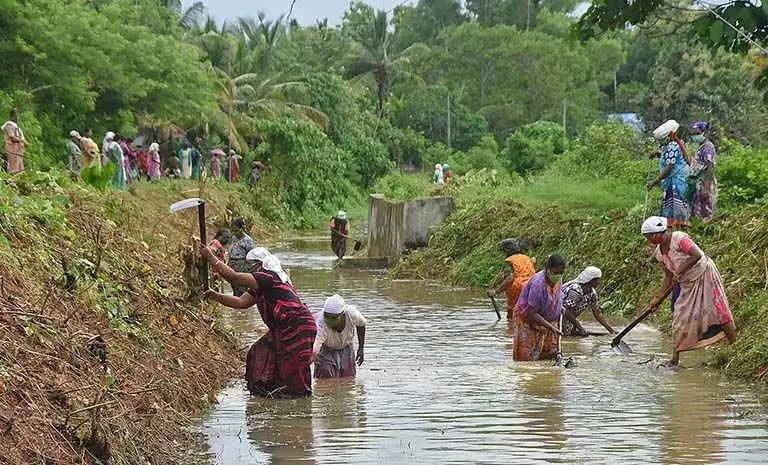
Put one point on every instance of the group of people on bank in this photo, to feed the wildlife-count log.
(279, 363)
(540, 308)
(688, 185)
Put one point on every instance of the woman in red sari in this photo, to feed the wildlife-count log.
(278, 364)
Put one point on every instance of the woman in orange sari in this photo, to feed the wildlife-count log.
(518, 269)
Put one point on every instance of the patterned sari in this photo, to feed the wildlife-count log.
(703, 200)
(278, 364)
(674, 203)
(701, 309)
(531, 343)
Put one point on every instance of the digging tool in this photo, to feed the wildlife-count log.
(496, 307)
(200, 204)
(358, 244)
(647, 191)
(620, 346)
(559, 356)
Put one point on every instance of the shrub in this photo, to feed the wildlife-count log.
(534, 146)
(742, 172)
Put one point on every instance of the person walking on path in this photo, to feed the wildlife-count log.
(15, 143)
(701, 315)
(114, 155)
(91, 154)
(74, 155)
(185, 158)
(155, 164)
(537, 314)
(673, 175)
(518, 270)
(580, 295)
(703, 182)
(334, 349)
(279, 363)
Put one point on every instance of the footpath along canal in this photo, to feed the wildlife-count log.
(439, 387)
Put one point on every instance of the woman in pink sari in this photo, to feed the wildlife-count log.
(154, 161)
(701, 315)
(15, 143)
(216, 155)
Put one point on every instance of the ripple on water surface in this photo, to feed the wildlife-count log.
(439, 387)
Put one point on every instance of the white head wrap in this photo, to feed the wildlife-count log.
(154, 147)
(589, 273)
(654, 224)
(666, 129)
(342, 215)
(438, 166)
(108, 137)
(74, 134)
(334, 305)
(268, 262)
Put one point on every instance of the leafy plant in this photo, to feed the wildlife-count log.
(98, 176)
(534, 146)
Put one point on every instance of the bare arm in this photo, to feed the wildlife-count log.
(664, 173)
(666, 284)
(574, 321)
(361, 345)
(230, 275)
(505, 284)
(534, 319)
(244, 301)
(599, 317)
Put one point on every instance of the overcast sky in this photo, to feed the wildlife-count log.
(305, 11)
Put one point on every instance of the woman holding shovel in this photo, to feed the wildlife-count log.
(339, 233)
(537, 314)
(701, 314)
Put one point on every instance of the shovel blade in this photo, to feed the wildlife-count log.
(621, 348)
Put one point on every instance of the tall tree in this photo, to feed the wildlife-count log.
(376, 54)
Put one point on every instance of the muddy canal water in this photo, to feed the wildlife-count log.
(439, 387)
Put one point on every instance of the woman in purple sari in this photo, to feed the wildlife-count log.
(537, 314)
(278, 364)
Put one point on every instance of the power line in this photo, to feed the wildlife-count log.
(735, 28)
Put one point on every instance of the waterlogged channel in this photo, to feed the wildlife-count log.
(439, 387)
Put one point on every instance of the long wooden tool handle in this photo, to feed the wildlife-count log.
(204, 241)
(496, 307)
(637, 321)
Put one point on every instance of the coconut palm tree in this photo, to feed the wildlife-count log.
(376, 55)
(248, 91)
(188, 17)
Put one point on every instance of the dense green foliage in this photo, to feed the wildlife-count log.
(478, 85)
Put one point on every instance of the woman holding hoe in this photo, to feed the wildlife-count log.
(537, 314)
(518, 270)
(278, 364)
(701, 315)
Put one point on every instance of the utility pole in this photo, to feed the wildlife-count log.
(615, 93)
(565, 113)
(528, 19)
(448, 131)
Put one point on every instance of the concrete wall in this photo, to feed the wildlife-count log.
(395, 226)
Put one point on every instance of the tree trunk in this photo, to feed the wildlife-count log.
(382, 79)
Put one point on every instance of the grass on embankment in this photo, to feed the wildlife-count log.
(596, 221)
(102, 354)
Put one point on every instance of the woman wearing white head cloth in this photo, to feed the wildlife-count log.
(114, 155)
(278, 364)
(580, 295)
(339, 234)
(673, 175)
(334, 349)
(701, 315)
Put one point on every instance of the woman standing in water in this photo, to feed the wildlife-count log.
(334, 349)
(518, 270)
(673, 175)
(339, 234)
(703, 182)
(701, 315)
(537, 314)
(278, 364)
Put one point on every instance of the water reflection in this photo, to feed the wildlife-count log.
(439, 387)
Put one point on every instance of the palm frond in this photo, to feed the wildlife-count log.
(192, 15)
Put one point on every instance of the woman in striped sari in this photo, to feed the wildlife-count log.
(278, 364)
